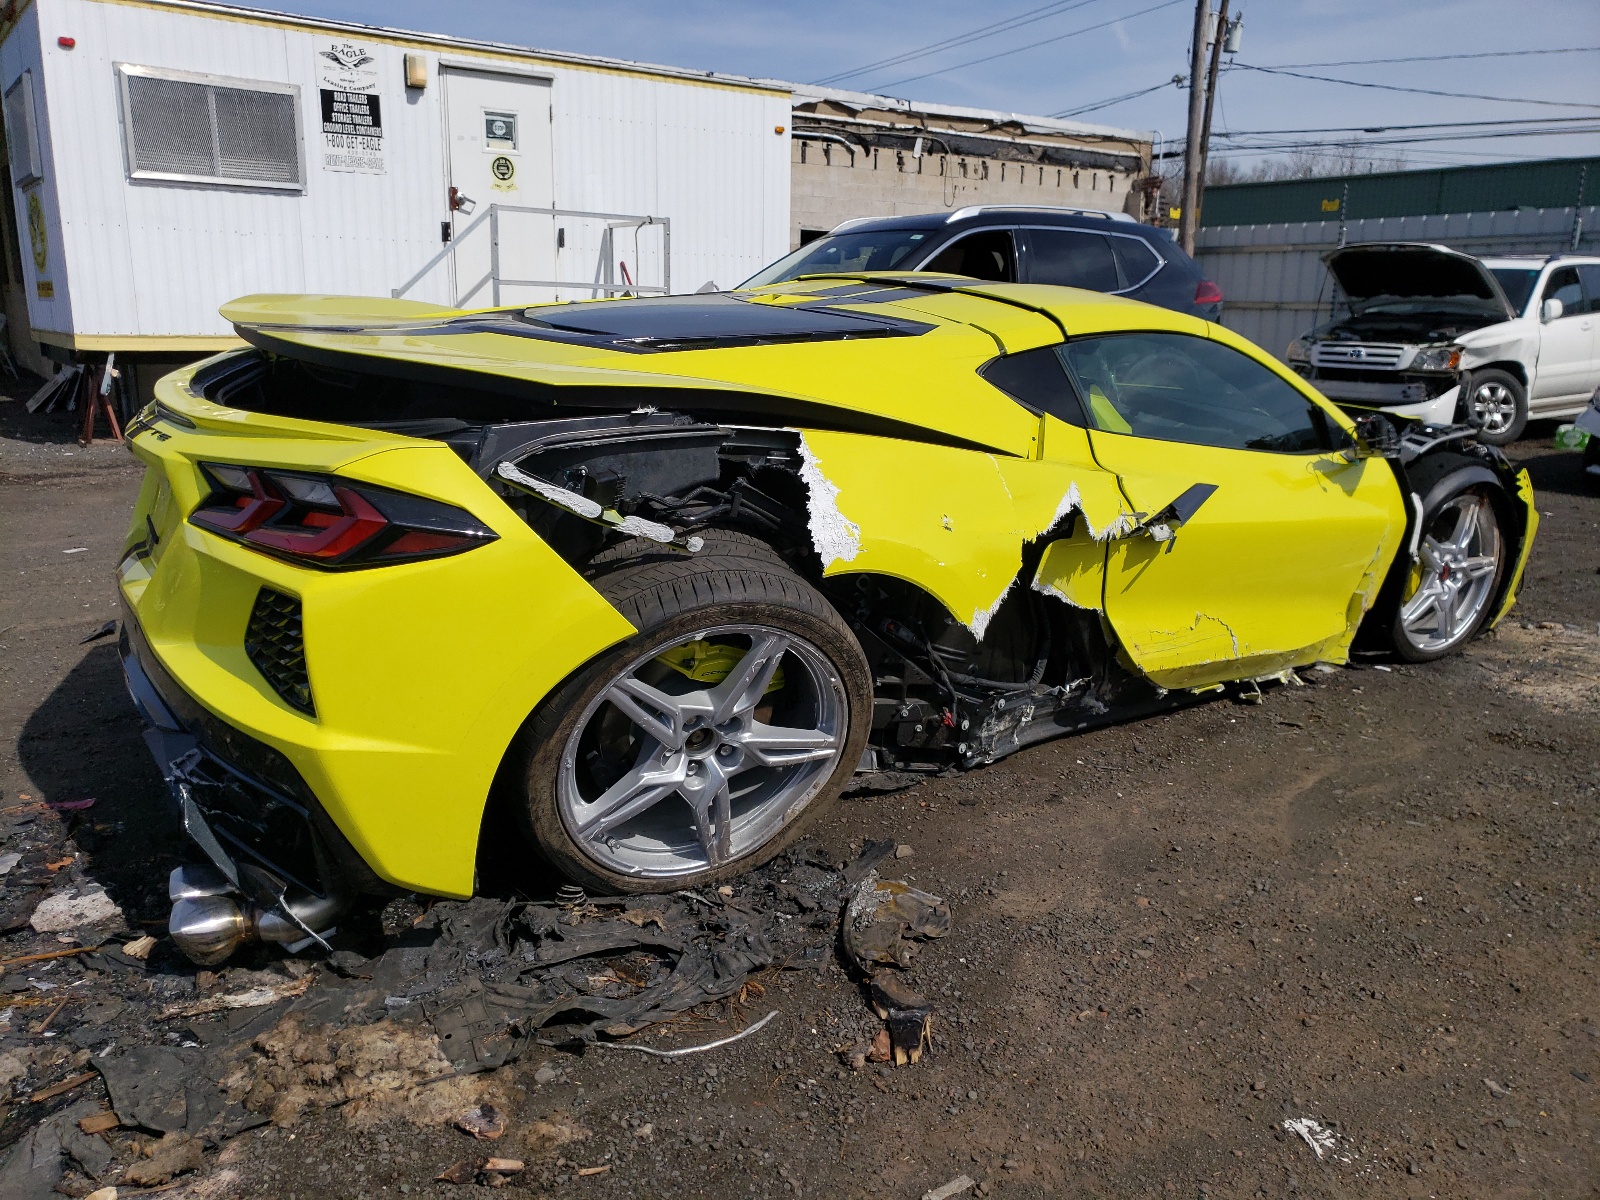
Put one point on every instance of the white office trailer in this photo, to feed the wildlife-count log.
(168, 155)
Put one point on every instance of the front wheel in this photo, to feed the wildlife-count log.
(1462, 557)
(696, 750)
(1497, 404)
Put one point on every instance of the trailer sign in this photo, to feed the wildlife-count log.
(352, 115)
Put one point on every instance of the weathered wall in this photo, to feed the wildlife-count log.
(830, 185)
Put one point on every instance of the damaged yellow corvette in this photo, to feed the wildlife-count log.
(652, 579)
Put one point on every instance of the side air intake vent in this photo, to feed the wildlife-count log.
(276, 645)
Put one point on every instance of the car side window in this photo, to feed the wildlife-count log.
(1072, 258)
(988, 255)
(1563, 285)
(1138, 261)
(1589, 273)
(1037, 380)
(1179, 388)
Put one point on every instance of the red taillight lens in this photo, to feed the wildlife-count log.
(1206, 292)
(325, 521)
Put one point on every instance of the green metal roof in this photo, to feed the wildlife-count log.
(1546, 183)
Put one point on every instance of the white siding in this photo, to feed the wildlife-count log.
(146, 258)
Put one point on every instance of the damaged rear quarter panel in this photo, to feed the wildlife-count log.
(953, 522)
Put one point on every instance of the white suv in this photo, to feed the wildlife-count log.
(1443, 337)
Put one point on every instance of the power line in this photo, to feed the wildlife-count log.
(1367, 62)
(1176, 80)
(1030, 46)
(1027, 17)
(1390, 87)
(1424, 125)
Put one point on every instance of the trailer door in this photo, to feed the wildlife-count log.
(498, 154)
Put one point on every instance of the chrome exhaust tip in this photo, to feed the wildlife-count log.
(210, 920)
(208, 929)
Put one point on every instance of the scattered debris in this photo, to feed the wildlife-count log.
(886, 919)
(485, 1122)
(1498, 1090)
(903, 851)
(7, 861)
(105, 630)
(504, 1166)
(1323, 1141)
(174, 1154)
(99, 1122)
(955, 1187)
(62, 1088)
(256, 997)
(73, 908)
(681, 1051)
(140, 947)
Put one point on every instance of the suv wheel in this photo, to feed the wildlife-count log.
(1498, 405)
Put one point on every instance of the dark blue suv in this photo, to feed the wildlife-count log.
(1070, 247)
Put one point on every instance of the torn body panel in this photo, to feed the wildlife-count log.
(1273, 569)
(954, 522)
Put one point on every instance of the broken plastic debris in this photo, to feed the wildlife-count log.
(886, 918)
(1323, 1141)
(72, 908)
(955, 1187)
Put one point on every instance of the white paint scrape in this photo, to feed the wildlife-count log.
(981, 617)
(835, 536)
(1323, 1141)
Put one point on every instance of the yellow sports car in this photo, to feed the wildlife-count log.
(655, 578)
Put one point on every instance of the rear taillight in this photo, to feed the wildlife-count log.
(1206, 292)
(326, 521)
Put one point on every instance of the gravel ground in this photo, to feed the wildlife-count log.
(1370, 901)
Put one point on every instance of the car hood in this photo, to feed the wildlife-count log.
(1380, 273)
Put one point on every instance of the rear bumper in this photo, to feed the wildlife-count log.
(422, 672)
(244, 804)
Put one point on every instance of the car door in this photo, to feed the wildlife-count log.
(987, 254)
(1263, 543)
(1072, 258)
(1566, 344)
(1589, 276)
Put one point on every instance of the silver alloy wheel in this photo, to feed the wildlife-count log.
(1494, 406)
(663, 776)
(1458, 574)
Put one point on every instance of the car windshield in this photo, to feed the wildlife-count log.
(1517, 283)
(867, 250)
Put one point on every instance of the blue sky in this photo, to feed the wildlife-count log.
(1052, 73)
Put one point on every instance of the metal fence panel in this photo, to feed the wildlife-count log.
(1276, 287)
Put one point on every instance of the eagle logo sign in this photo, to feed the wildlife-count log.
(348, 57)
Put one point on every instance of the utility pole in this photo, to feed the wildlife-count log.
(1217, 40)
(1191, 146)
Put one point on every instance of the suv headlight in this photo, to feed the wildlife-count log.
(1436, 358)
(1299, 351)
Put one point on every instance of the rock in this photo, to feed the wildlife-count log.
(484, 1122)
(903, 851)
(73, 908)
(546, 1074)
(1498, 1090)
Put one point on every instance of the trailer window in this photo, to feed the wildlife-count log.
(204, 129)
(22, 136)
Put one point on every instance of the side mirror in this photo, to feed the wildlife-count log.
(1376, 437)
(1551, 310)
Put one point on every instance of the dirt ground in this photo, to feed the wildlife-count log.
(1370, 901)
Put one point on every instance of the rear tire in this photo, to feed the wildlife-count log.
(741, 762)
(1498, 405)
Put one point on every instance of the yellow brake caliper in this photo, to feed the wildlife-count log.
(710, 663)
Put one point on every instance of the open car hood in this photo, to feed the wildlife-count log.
(1374, 271)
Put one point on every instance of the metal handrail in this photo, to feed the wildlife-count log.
(609, 287)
